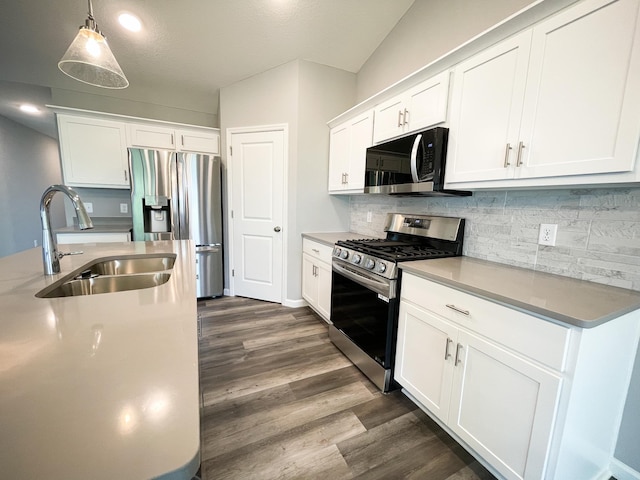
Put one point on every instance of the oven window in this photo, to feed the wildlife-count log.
(364, 317)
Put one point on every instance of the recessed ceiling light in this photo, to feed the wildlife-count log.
(130, 22)
(29, 108)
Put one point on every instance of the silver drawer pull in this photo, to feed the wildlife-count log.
(459, 310)
(315, 250)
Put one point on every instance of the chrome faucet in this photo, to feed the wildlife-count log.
(50, 255)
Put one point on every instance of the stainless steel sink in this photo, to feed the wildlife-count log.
(113, 274)
(130, 264)
(107, 284)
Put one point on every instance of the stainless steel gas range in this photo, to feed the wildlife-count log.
(366, 287)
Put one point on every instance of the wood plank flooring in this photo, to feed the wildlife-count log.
(281, 402)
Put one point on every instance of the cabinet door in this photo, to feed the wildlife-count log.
(503, 407)
(427, 103)
(361, 131)
(323, 272)
(486, 108)
(579, 115)
(338, 157)
(151, 136)
(424, 358)
(94, 152)
(389, 119)
(198, 141)
(309, 280)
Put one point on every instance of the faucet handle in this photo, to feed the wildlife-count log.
(64, 254)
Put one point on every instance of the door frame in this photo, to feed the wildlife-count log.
(284, 128)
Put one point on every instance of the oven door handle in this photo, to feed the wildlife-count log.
(414, 159)
(381, 286)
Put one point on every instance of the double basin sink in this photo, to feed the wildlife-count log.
(113, 274)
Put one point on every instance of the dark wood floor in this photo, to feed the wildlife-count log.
(280, 401)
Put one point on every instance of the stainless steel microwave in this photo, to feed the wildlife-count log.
(411, 165)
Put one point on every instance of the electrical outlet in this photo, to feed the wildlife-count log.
(369, 215)
(88, 206)
(547, 234)
(124, 208)
(35, 243)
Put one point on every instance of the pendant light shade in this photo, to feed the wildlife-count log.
(89, 59)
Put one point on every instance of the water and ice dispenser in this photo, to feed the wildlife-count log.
(157, 214)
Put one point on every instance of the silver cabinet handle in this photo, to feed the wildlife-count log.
(506, 155)
(346, 178)
(400, 121)
(315, 250)
(446, 349)
(172, 142)
(458, 357)
(126, 176)
(405, 119)
(457, 309)
(276, 229)
(519, 159)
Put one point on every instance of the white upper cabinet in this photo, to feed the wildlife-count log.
(418, 107)
(152, 136)
(486, 108)
(558, 100)
(93, 152)
(348, 144)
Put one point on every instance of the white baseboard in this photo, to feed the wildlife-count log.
(294, 303)
(623, 471)
(226, 292)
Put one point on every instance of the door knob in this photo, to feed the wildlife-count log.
(276, 229)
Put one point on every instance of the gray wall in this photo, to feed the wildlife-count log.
(29, 163)
(428, 30)
(133, 108)
(305, 96)
(599, 229)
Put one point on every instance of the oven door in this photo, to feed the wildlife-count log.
(364, 308)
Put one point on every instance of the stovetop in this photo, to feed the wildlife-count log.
(394, 250)
(414, 237)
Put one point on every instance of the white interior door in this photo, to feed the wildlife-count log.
(257, 169)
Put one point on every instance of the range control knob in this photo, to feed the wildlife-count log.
(357, 258)
(336, 251)
(344, 254)
(381, 267)
(369, 264)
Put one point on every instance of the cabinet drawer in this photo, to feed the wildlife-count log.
(538, 339)
(317, 250)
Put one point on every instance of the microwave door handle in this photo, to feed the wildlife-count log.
(414, 158)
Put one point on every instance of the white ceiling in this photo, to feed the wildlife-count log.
(189, 49)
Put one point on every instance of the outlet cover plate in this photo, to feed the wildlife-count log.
(548, 232)
(88, 206)
(124, 208)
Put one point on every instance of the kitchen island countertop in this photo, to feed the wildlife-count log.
(553, 297)
(99, 386)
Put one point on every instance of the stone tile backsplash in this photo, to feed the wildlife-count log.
(598, 229)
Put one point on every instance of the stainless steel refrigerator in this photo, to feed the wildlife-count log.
(177, 196)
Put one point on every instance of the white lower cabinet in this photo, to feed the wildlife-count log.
(531, 398)
(316, 276)
(497, 402)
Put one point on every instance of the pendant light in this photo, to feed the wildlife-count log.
(89, 59)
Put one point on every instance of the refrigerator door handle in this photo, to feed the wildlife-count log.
(183, 197)
(208, 248)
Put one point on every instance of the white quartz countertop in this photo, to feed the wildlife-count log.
(330, 238)
(553, 297)
(98, 386)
